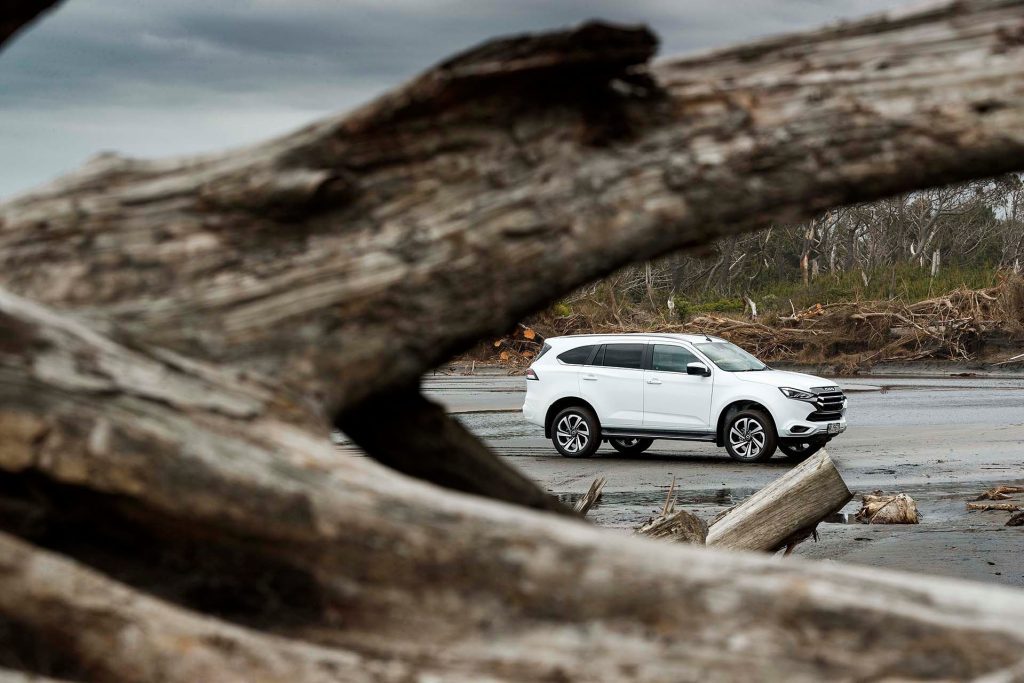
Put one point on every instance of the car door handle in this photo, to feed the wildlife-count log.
(654, 380)
(590, 378)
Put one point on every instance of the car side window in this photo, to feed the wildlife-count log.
(577, 356)
(624, 356)
(671, 358)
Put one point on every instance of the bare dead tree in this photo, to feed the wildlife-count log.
(177, 337)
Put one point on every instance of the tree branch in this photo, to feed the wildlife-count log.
(16, 14)
(325, 260)
(408, 433)
(177, 335)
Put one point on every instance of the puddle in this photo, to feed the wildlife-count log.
(841, 518)
(655, 499)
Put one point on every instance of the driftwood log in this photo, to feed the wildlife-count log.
(795, 502)
(881, 508)
(177, 338)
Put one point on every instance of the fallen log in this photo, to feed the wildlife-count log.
(178, 336)
(984, 507)
(793, 503)
(1000, 492)
(14, 16)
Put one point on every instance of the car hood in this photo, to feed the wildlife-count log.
(782, 378)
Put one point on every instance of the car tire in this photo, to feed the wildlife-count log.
(799, 450)
(576, 433)
(631, 446)
(750, 436)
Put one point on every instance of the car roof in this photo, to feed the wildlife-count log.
(638, 337)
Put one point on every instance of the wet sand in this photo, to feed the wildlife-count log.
(942, 440)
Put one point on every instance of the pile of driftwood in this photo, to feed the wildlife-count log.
(1001, 493)
(948, 327)
(781, 515)
(849, 335)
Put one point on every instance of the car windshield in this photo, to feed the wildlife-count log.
(730, 357)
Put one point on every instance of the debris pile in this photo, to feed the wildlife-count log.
(857, 334)
(848, 336)
(879, 508)
(1001, 492)
(675, 525)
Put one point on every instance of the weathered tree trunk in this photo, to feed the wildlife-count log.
(177, 337)
(793, 503)
(15, 14)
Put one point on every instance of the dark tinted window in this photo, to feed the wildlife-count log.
(671, 358)
(544, 349)
(624, 356)
(577, 356)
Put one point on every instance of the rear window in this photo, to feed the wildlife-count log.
(577, 356)
(624, 356)
(544, 349)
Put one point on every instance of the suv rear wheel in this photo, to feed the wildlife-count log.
(576, 432)
(750, 436)
(631, 446)
(799, 450)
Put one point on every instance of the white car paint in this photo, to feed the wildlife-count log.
(659, 403)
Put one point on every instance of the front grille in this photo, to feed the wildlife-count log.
(830, 404)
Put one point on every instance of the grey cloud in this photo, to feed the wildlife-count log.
(149, 78)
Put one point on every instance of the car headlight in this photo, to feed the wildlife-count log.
(797, 394)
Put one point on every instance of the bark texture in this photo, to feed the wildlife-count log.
(793, 503)
(177, 337)
(347, 258)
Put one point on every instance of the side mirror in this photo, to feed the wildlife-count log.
(698, 369)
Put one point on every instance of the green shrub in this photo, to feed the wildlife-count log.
(561, 310)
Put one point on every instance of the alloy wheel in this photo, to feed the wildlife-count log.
(573, 433)
(747, 437)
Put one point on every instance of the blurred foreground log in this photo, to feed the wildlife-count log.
(792, 504)
(16, 14)
(177, 338)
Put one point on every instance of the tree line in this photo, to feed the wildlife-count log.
(906, 246)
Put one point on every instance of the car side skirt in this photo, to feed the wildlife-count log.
(612, 433)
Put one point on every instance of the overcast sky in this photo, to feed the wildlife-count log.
(152, 78)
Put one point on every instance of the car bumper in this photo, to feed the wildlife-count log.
(533, 412)
(803, 428)
(794, 422)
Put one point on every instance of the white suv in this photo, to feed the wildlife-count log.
(629, 389)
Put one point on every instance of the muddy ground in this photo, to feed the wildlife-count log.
(942, 440)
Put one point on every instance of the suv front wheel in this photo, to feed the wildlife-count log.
(576, 432)
(750, 436)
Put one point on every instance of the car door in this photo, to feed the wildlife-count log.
(674, 400)
(614, 384)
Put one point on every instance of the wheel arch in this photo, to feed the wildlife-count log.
(735, 407)
(560, 405)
